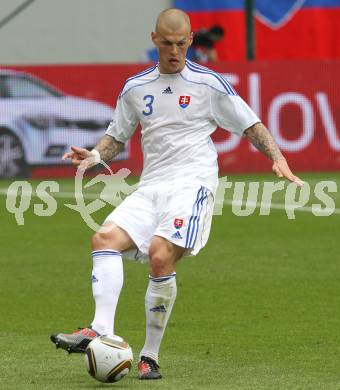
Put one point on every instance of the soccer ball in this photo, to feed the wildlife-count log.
(108, 359)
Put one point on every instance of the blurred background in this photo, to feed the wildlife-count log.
(62, 65)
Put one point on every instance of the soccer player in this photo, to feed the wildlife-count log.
(179, 104)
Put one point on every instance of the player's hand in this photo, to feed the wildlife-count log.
(80, 156)
(281, 169)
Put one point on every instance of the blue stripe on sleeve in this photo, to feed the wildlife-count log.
(136, 76)
(201, 69)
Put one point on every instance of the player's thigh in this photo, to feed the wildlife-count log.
(186, 217)
(136, 216)
(111, 236)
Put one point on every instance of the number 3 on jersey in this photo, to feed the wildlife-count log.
(148, 103)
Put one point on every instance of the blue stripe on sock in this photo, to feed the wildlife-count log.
(162, 278)
(105, 253)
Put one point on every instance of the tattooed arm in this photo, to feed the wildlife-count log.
(106, 149)
(261, 138)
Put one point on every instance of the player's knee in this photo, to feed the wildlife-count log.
(98, 241)
(160, 265)
(163, 256)
(103, 240)
(111, 237)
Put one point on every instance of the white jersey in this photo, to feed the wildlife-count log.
(178, 113)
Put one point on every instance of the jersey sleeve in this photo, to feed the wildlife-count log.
(232, 113)
(124, 120)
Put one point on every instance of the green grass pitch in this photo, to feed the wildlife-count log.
(258, 308)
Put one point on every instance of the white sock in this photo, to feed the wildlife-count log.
(107, 282)
(159, 300)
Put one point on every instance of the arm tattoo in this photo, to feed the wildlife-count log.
(260, 137)
(108, 148)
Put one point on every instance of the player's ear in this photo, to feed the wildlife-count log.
(153, 37)
(191, 37)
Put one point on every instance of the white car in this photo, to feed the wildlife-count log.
(38, 123)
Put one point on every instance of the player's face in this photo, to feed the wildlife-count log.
(172, 49)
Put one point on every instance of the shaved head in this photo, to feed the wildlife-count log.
(172, 37)
(173, 19)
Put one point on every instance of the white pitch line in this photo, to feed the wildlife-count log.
(60, 194)
(279, 206)
(230, 202)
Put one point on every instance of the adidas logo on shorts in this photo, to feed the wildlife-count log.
(177, 235)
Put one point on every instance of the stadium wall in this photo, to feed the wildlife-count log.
(78, 31)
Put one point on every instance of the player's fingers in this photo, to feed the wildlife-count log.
(67, 156)
(287, 173)
(298, 181)
(80, 151)
(282, 169)
(75, 159)
(277, 171)
(76, 149)
(289, 176)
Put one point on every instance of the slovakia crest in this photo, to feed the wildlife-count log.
(184, 101)
(178, 223)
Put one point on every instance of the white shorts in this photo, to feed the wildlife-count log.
(181, 214)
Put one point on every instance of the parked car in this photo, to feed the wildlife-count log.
(38, 123)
